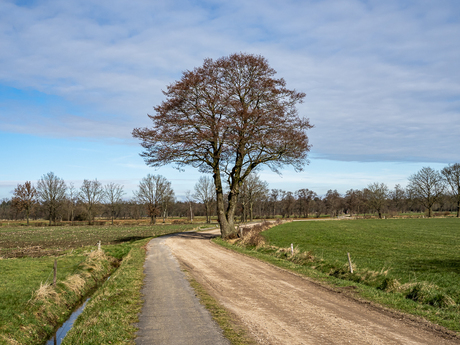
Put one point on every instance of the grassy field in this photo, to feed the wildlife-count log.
(413, 250)
(30, 308)
(408, 264)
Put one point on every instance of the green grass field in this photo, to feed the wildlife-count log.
(413, 250)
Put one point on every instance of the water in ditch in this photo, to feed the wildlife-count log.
(66, 326)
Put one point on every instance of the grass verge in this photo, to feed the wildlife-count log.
(232, 329)
(110, 314)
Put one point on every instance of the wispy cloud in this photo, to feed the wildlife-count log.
(382, 77)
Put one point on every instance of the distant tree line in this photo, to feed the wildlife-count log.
(52, 199)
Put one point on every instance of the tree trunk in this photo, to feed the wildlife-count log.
(225, 218)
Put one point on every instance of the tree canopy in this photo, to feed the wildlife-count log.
(227, 117)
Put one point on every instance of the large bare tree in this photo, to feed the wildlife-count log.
(91, 194)
(151, 193)
(451, 174)
(24, 198)
(428, 186)
(227, 117)
(51, 191)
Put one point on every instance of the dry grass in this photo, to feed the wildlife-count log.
(75, 283)
(46, 293)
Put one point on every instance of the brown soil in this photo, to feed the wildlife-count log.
(279, 307)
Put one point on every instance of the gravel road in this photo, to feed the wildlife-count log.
(279, 307)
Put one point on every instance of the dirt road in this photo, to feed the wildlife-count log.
(279, 307)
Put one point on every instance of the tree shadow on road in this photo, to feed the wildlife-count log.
(196, 235)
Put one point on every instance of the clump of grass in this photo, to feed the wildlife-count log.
(427, 293)
(45, 293)
(75, 283)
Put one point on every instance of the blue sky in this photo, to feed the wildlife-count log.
(382, 80)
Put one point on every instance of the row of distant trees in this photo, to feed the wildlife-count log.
(55, 200)
(427, 190)
(52, 199)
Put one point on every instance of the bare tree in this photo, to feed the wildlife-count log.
(333, 202)
(304, 198)
(398, 198)
(152, 189)
(24, 198)
(51, 191)
(377, 196)
(72, 199)
(205, 193)
(166, 200)
(451, 175)
(274, 196)
(189, 200)
(91, 194)
(227, 118)
(254, 189)
(113, 193)
(428, 186)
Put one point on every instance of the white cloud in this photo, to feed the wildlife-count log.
(382, 78)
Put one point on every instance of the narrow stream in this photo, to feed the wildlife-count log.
(57, 338)
(66, 326)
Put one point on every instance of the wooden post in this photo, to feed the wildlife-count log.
(349, 263)
(99, 245)
(292, 249)
(241, 232)
(55, 272)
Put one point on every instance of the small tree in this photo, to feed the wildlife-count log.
(428, 186)
(72, 199)
(166, 200)
(51, 191)
(24, 198)
(227, 118)
(91, 194)
(113, 193)
(152, 190)
(377, 196)
(304, 198)
(205, 193)
(253, 190)
(451, 176)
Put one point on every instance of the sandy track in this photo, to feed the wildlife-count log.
(281, 308)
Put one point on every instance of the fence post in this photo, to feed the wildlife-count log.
(99, 245)
(292, 249)
(55, 272)
(349, 263)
